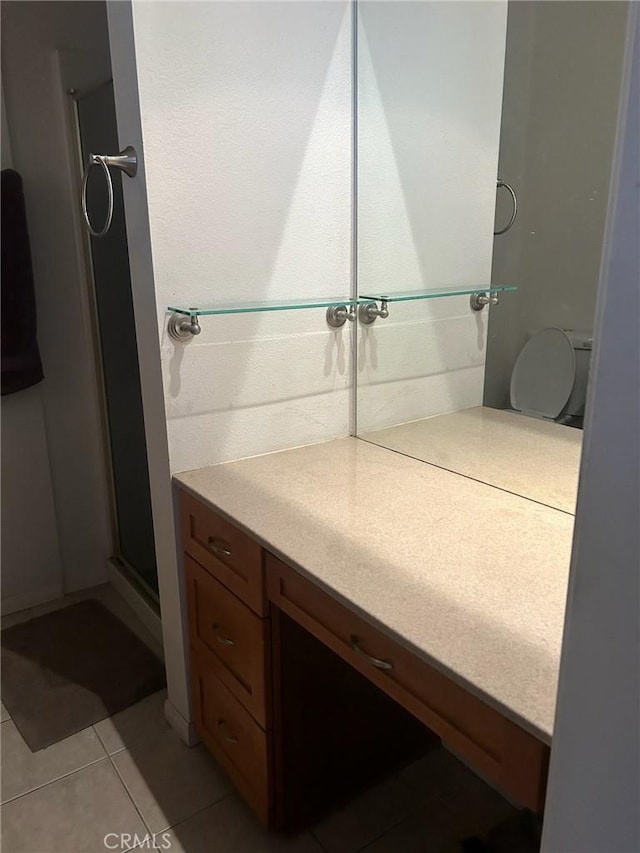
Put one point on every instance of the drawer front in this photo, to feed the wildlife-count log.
(224, 550)
(234, 636)
(494, 745)
(235, 739)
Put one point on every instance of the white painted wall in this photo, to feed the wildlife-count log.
(31, 564)
(430, 79)
(243, 192)
(247, 139)
(594, 780)
(36, 104)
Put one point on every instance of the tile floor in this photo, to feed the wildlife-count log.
(131, 776)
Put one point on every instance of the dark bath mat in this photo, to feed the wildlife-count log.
(68, 669)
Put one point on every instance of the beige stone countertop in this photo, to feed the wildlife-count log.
(533, 458)
(470, 578)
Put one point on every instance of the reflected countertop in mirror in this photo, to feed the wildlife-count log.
(485, 140)
(530, 457)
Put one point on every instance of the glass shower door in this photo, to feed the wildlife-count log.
(118, 347)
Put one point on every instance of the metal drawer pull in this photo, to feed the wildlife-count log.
(219, 546)
(377, 662)
(225, 641)
(226, 734)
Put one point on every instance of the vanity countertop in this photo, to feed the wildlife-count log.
(469, 577)
(531, 457)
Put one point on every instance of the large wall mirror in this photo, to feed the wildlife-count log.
(474, 351)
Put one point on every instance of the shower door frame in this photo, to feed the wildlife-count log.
(73, 92)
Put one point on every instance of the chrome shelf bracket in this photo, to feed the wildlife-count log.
(337, 315)
(182, 328)
(478, 300)
(368, 312)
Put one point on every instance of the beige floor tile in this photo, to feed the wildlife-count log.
(23, 770)
(437, 773)
(229, 827)
(428, 831)
(72, 815)
(141, 720)
(366, 818)
(169, 781)
(4, 714)
(478, 808)
(473, 804)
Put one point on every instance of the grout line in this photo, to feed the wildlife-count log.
(203, 809)
(130, 795)
(97, 734)
(53, 781)
(185, 819)
(411, 814)
(415, 810)
(135, 805)
(390, 828)
(386, 832)
(317, 840)
(104, 746)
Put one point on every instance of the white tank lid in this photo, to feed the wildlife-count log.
(544, 374)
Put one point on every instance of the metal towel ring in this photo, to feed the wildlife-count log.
(95, 160)
(514, 199)
(126, 161)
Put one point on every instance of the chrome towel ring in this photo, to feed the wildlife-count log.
(514, 199)
(126, 161)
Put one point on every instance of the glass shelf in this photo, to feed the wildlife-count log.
(437, 292)
(181, 330)
(255, 307)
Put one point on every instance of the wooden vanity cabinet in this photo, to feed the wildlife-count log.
(255, 696)
(496, 747)
(229, 637)
(225, 551)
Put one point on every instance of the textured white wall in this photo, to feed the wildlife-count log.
(247, 140)
(31, 565)
(70, 458)
(430, 81)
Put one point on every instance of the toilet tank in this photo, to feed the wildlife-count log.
(582, 343)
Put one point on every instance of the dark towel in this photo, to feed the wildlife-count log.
(21, 365)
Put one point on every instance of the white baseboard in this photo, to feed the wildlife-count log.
(15, 603)
(145, 613)
(186, 730)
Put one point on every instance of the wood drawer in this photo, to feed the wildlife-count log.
(234, 636)
(224, 550)
(233, 736)
(515, 760)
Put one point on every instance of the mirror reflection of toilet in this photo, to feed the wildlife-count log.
(549, 378)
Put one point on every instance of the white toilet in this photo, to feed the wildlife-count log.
(549, 378)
